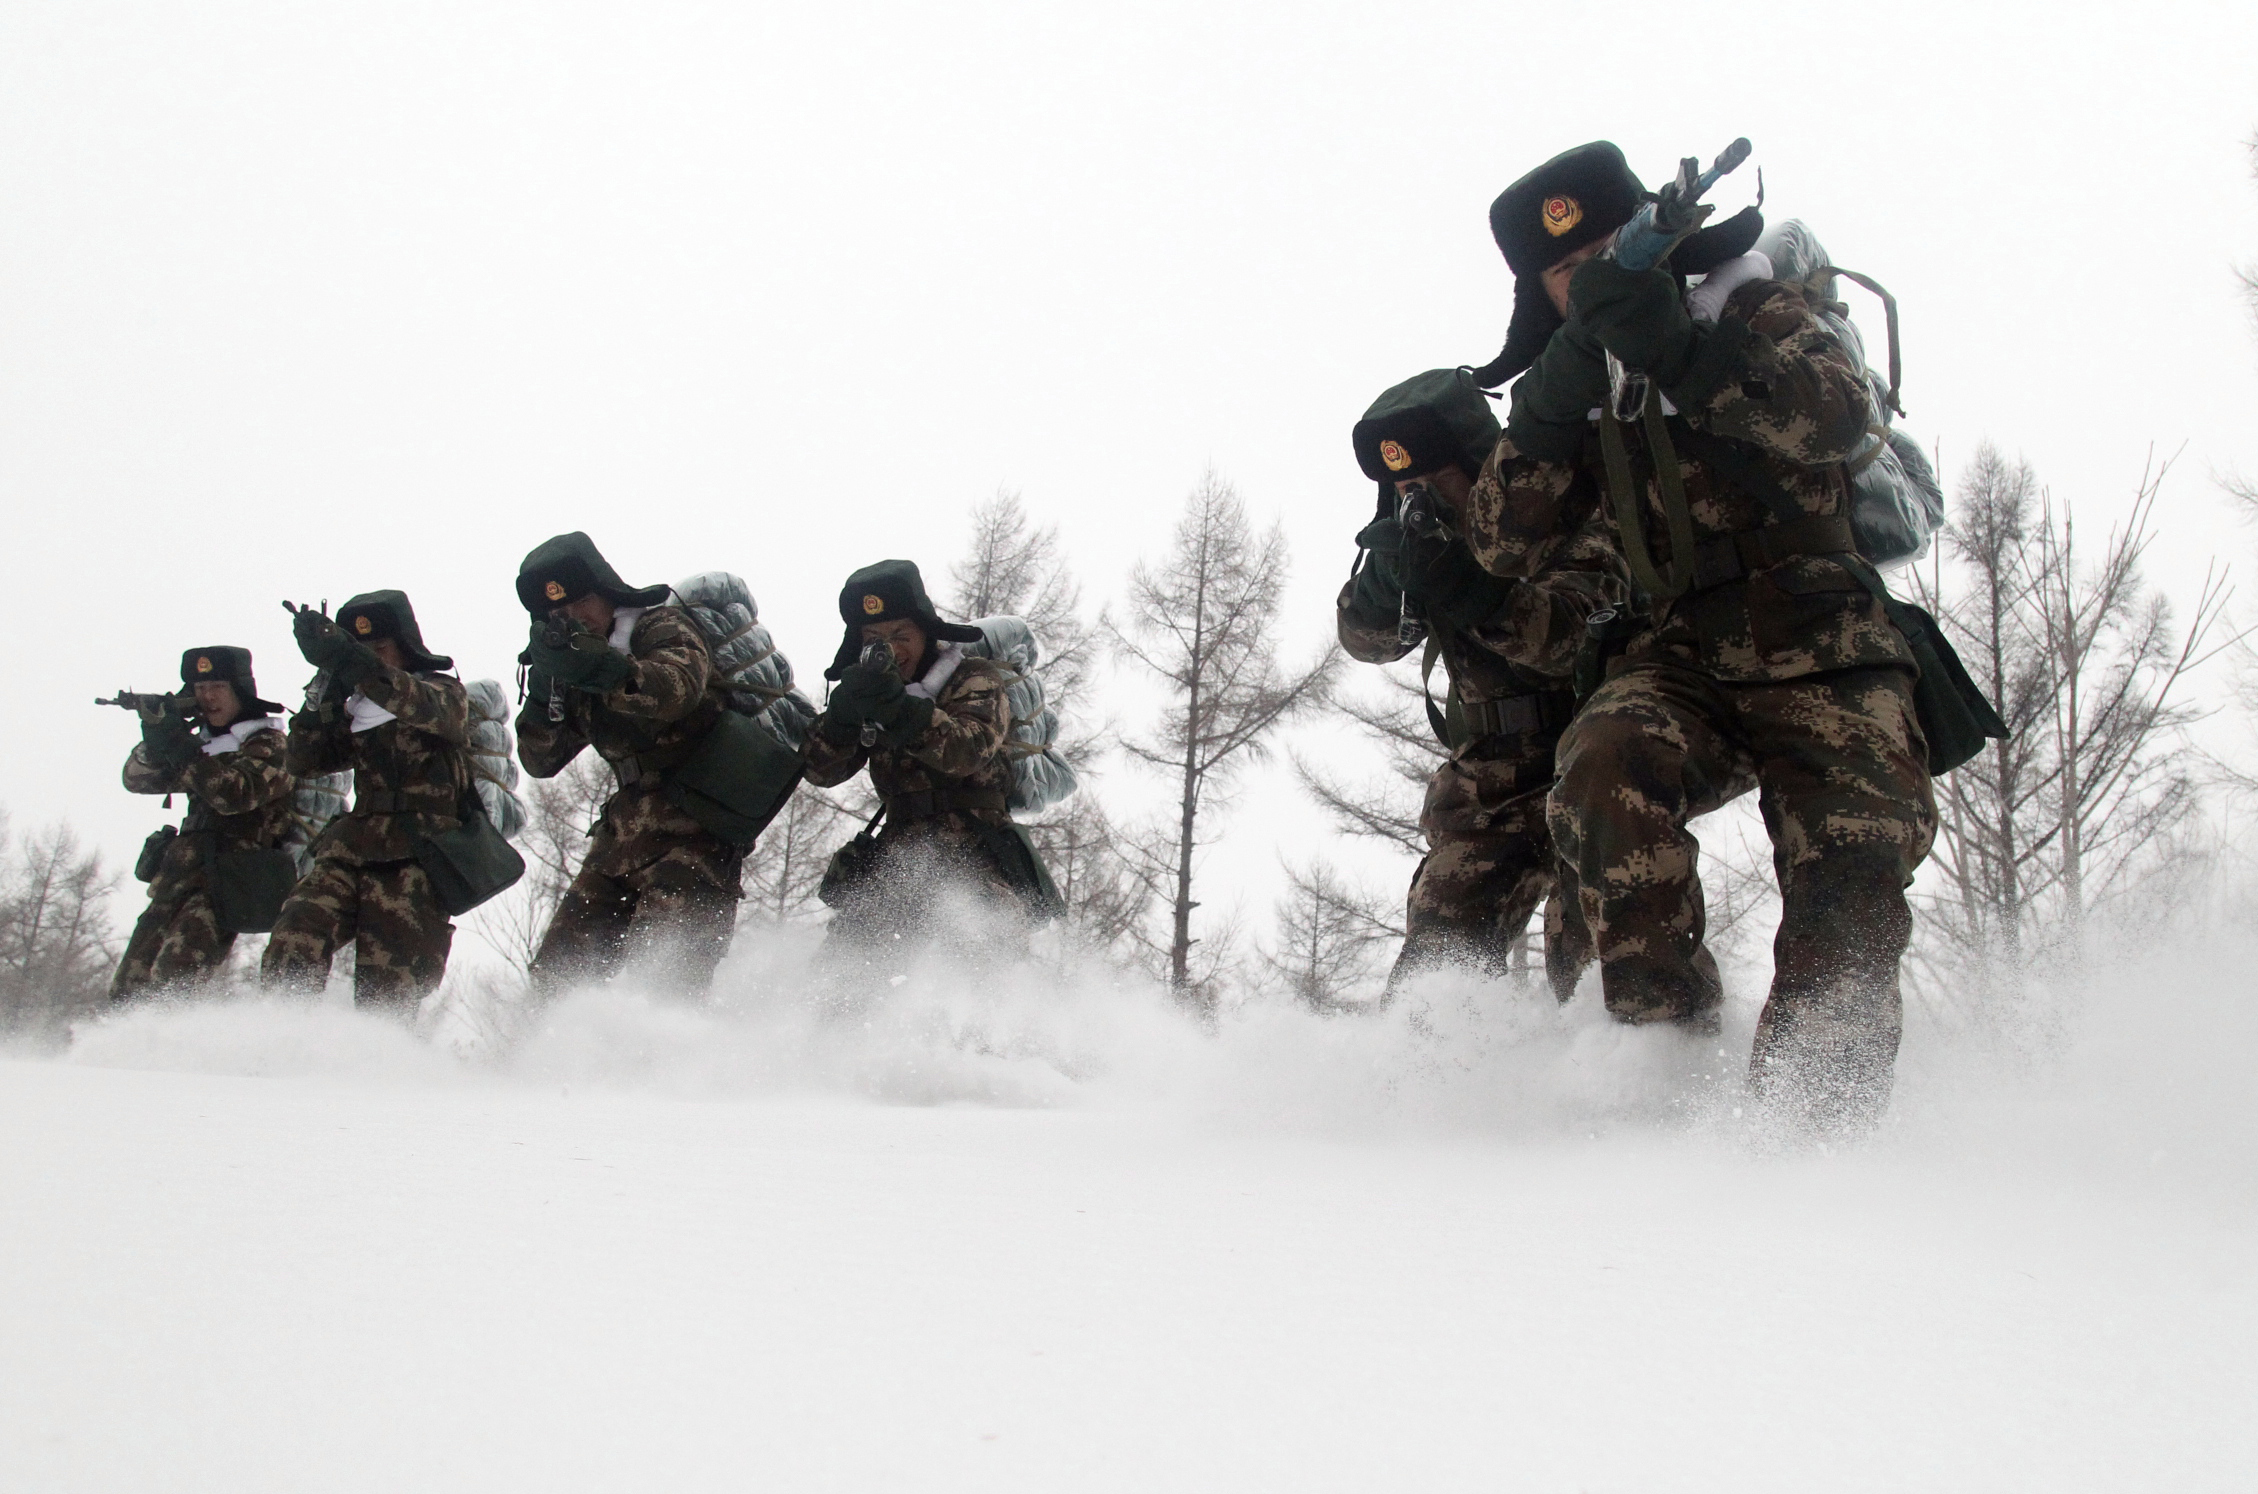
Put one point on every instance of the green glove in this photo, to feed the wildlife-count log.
(864, 694)
(1385, 538)
(903, 720)
(1457, 593)
(168, 743)
(1372, 601)
(580, 660)
(1638, 315)
(1551, 402)
(327, 646)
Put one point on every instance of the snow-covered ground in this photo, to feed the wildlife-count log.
(1023, 1239)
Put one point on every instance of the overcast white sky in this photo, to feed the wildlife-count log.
(297, 301)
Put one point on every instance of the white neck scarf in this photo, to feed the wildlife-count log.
(946, 658)
(236, 735)
(623, 627)
(367, 714)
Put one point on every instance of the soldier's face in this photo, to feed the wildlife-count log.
(591, 612)
(388, 653)
(216, 702)
(904, 638)
(1556, 278)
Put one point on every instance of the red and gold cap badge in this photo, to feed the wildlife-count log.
(1562, 213)
(363, 626)
(1393, 456)
(873, 604)
(203, 664)
(554, 591)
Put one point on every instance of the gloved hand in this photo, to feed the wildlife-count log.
(903, 720)
(1551, 402)
(579, 660)
(1455, 592)
(1373, 601)
(865, 693)
(168, 742)
(1385, 538)
(1638, 315)
(328, 646)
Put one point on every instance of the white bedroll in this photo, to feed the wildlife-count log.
(757, 675)
(493, 757)
(1896, 504)
(1040, 777)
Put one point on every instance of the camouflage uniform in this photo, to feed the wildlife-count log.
(1777, 668)
(654, 882)
(239, 799)
(944, 793)
(410, 776)
(1490, 860)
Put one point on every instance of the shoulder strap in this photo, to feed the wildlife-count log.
(1818, 278)
(1630, 526)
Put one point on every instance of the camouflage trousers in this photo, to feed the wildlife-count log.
(933, 890)
(175, 943)
(386, 911)
(1841, 768)
(670, 919)
(1488, 866)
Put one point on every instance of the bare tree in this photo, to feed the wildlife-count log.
(1203, 620)
(1395, 722)
(2083, 659)
(785, 867)
(1013, 567)
(55, 945)
(1105, 899)
(1332, 939)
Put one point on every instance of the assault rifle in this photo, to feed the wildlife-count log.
(317, 688)
(557, 635)
(875, 655)
(131, 701)
(1654, 230)
(1416, 515)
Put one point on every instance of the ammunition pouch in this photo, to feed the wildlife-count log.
(248, 888)
(1014, 853)
(152, 857)
(1956, 718)
(851, 865)
(733, 780)
(470, 863)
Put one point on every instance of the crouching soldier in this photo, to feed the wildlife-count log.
(381, 707)
(1508, 647)
(1760, 652)
(225, 870)
(933, 725)
(617, 668)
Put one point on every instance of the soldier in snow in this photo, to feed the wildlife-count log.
(1507, 646)
(933, 726)
(384, 709)
(222, 746)
(1757, 652)
(616, 668)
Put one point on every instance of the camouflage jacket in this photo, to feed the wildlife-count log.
(1529, 645)
(409, 774)
(646, 725)
(239, 799)
(1792, 407)
(964, 747)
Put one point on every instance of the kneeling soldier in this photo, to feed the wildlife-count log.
(938, 752)
(1760, 652)
(231, 765)
(382, 708)
(1508, 646)
(615, 667)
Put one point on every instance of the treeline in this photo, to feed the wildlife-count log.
(2082, 819)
